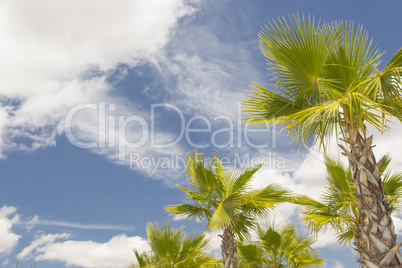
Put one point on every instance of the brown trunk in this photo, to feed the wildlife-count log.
(229, 250)
(375, 238)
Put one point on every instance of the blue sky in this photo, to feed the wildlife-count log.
(83, 82)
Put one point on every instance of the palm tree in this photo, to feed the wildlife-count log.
(172, 248)
(279, 247)
(224, 200)
(326, 81)
(339, 209)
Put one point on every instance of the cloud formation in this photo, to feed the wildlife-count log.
(115, 253)
(58, 54)
(8, 239)
(36, 221)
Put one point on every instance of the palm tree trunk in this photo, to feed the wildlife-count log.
(229, 250)
(375, 238)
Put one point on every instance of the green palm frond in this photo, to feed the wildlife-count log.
(143, 259)
(200, 173)
(242, 181)
(251, 256)
(317, 220)
(392, 183)
(194, 212)
(383, 163)
(392, 186)
(223, 217)
(288, 45)
(270, 195)
(347, 233)
(247, 223)
(385, 86)
(165, 240)
(353, 58)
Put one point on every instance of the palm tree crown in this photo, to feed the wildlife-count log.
(323, 74)
(279, 247)
(172, 248)
(224, 200)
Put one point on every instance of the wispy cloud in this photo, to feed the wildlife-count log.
(71, 53)
(41, 241)
(86, 226)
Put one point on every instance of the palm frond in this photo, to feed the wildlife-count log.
(268, 196)
(297, 50)
(221, 218)
(242, 181)
(195, 212)
(143, 259)
(392, 186)
(383, 163)
(200, 173)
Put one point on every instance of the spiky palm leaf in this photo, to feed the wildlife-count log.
(172, 248)
(279, 247)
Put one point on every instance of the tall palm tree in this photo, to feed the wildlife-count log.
(224, 200)
(339, 208)
(326, 81)
(172, 248)
(279, 247)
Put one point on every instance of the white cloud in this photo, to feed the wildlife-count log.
(215, 243)
(41, 241)
(397, 219)
(179, 218)
(8, 239)
(338, 264)
(200, 62)
(326, 239)
(115, 253)
(389, 143)
(57, 39)
(213, 79)
(307, 179)
(56, 54)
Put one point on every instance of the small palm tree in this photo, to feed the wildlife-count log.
(339, 209)
(224, 200)
(172, 248)
(326, 82)
(279, 247)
